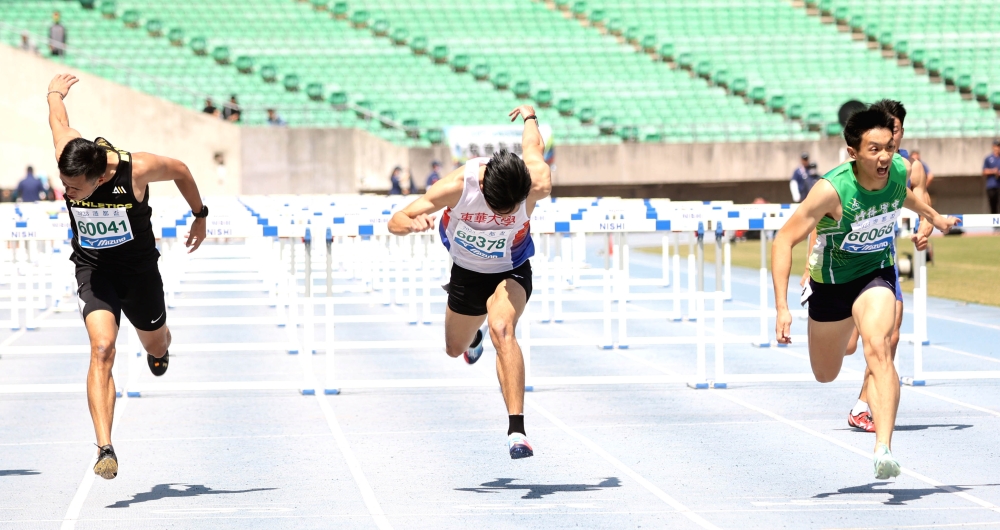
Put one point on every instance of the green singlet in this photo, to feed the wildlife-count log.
(862, 241)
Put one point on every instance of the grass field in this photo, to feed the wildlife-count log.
(964, 267)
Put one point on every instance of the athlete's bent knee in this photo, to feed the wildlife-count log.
(825, 376)
(501, 330)
(102, 351)
(453, 349)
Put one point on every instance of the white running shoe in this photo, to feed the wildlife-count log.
(518, 446)
(886, 466)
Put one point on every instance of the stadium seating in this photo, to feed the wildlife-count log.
(682, 71)
(786, 60)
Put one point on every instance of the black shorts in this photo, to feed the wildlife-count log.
(139, 295)
(468, 290)
(833, 302)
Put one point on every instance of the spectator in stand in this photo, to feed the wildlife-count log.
(57, 36)
(6, 196)
(274, 119)
(991, 168)
(435, 174)
(210, 108)
(27, 45)
(232, 110)
(30, 189)
(802, 181)
(394, 178)
(915, 157)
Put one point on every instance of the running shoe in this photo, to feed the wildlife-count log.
(519, 446)
(107, 463)
(861, 421)
(475, 351)
(158, 365)
(885, 465)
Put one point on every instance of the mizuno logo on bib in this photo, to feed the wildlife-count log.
(872, 234)
(98, 228)
(486, 244)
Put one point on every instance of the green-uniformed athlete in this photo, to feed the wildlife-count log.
(854, 209)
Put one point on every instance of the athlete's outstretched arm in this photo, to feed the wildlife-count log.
(822, 200)
(416, 217)
(939, 221)
(154, 168)
(918, 184)
(533, 154)
(62, 133)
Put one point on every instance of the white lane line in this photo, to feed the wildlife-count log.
(683, 510)
(791, 423)
(953, 401)
(949, 525)
(967, 354)
(960, 320)
(367, 493)
(76, 505)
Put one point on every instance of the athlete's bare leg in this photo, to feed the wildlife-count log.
(460, 331)
(103, 332)
(505, 308)
(894, 341)
(874, 316)
(827, 347)
(155, 342)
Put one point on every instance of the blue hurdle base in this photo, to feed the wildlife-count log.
(761, 344)
(698, 386)
(331, 391)
(307, 392)
(719, 385)
(529, 388)
(118, 394)
(293, 352)
(623, 346)
(133, 394)
(909, 381)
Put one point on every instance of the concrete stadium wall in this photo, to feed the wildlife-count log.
(744, 171)
(301, 160)
(129, 119)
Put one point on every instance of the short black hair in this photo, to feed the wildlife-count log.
(865, 120)
(892, 108)
(506, 183)
(82, 157)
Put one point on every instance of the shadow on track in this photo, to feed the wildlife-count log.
(164, 491)
(898, 496)
(537, 491)
(18, 472)
(949, 426)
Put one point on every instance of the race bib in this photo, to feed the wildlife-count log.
(486, 244)
(98, 228)
(871, 235)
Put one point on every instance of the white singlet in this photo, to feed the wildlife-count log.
(480, 240)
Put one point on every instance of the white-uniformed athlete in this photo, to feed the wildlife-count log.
(485, 226)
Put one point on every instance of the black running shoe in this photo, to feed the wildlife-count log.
(475, 350)
(107, 463)
(158, 365)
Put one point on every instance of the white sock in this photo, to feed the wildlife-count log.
(860, 407)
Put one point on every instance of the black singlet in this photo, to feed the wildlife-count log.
(111, 229)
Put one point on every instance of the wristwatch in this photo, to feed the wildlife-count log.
(203, 213)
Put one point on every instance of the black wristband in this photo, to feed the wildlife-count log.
(532, 117)
(203, 213)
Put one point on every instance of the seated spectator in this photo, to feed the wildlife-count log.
(27, 45)
(800, 183)
(57, 35)
(232, 110)
(394, 179)
(210, 108)
(274, 119)
(435, 173)
(30, 189)
(6, 196)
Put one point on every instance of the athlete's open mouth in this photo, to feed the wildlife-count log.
(882, 171)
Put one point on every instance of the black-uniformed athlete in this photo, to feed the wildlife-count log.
(114, 250)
